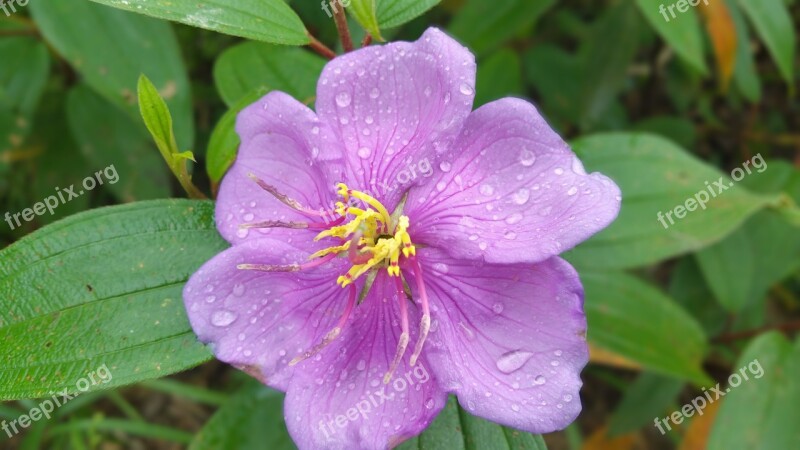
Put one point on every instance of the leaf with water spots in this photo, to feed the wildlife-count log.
(102, 288)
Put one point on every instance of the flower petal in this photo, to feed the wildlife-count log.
(339, 401)
(260, 321)
(508, 340)
(512, 191)
(284, 145)
(394, 106)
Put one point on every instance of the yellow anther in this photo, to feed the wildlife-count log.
(329, 250)
(369, 234)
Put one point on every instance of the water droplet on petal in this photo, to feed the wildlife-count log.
(238, 290)
(572, 191)
(430, 403)
(364, 152)
(441, 267)
(514, 218)
(223, 318)
(343, 99)
(466, 89)
(487, 190)
(513, 360)
(445, 166)
(527, 157)
(521, 196)
(497, 308)
(440, 186)
(539, 380)
(374, 93)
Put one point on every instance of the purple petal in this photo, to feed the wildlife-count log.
(339, 400)
(512, 191)
(260, 321)
(394, 106)
(284, 145)
(508, 340)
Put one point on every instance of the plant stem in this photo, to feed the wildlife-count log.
(321, 48)
(731, 337)
(341, 26)
(367, 40)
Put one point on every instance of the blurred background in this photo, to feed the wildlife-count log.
(660, 102)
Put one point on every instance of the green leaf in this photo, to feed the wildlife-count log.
(111, 65)
(102, 288)
(455, 429)
(609, 63)
(773, 23)
(741, 269)
(649, 396)
(247, 67)
(633, 319)
(483, 25)
(688, 287)
(252, 419)
(500, 75)
(366, 13)
(157, 119)
(260, 20)
(107, 137)
(683, 32)
(744, 73)
(23, 75)
(655, 177)
(558, 78)
(223, 145)
(393, 13)
(762, 411)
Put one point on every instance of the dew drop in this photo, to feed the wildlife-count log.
(497, 308)
(527, 158)
(515, 407)
(362, 364)
(445, 166)
(428, 91)
(441, 267)
(440, 186)
(223, 318)
(558, 171)
(572, 191)
(374, 93)
(343, 99)
(430, 403)
(540, 380)
(364, 152)
(514, 218)
(513, 360)
(521, 196)
(466, 89)
(238, 289)
(487, 190)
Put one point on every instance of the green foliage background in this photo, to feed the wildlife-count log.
(661, 106)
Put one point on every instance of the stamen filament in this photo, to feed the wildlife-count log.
(402, 344)
(425, 322)
(283, 198)
(331, 335)
(288, 267)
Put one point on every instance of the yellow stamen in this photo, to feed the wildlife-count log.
(370, 233)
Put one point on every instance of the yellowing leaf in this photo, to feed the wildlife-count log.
(722, 31)
(699, 429)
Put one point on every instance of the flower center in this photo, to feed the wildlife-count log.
(372, 239)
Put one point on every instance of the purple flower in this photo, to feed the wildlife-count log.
(395, 247)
